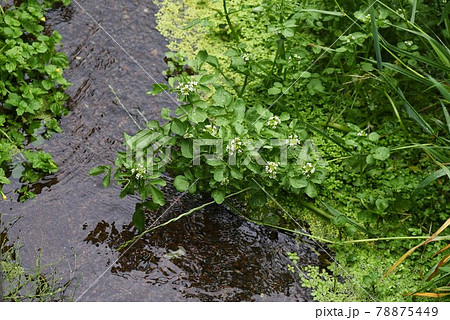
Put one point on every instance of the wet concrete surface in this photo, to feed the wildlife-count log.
(213, 255)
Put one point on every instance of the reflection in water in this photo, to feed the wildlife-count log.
(212, 255)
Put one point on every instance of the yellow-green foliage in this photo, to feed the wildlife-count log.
(175, 15)
(172, 20)
(356, 277)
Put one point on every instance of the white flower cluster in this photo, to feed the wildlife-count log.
(225, 181)
(308, 169)
(188, 135)
(235, 145)
(187, 88)
(273, 122)
(363, 18)
(246, 56)
(409, 43)
(293, 140)
(139, 171)
(271, 169)
(213, 130)
(362, 134)
(296, 57)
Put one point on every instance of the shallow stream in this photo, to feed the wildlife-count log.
(212, 255)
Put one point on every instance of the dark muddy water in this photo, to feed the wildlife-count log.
(212, 255)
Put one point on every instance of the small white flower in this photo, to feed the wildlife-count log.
(273, 122)
(293, 140)
(308, 169)
(213, 130)
(271, 169)
(362, 134)
(225, 181)
(235, 145)
(188, 135)
(409, 43)
(139, 171)
(187, 88)
(246, 57)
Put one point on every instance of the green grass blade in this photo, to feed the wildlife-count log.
(435, 175)
(443, 89)
(413, 13)
(414, 56)
(331, 13)
(415, 115)
(447, 116)
(409, 74)
(376, 39)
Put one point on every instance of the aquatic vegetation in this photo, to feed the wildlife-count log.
(31, 91)
(40, 283)
(340, 110)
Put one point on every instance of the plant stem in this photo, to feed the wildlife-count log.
(244, 86)
(6, 135)
(333, 241)
(236, 37)
(376, 39)
(397, 114)
(312, 207)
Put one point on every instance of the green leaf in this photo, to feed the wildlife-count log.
(218, 196)
(199, 115)
(97, 170)
(211, 60)
(298, 183)
(374, 137)
(311, 190)
(381, 153)
(157, 195)
(381, 204)
(139, 217)
(106, 180)
(10, 66)
(207, 78)
(48, 84)
(186, 149)
(315, 86)
(201, 58)
(3, 179)
(181, 183)
(285, 116)
(178, 127)
(165, 113)
(274, 91)
(236, 174)
(221, 97)
(158, 88)
(218, 174)
(339, 221)
(238, 109)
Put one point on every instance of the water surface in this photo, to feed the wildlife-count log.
(213, 255)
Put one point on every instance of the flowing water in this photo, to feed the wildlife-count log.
(212, 255)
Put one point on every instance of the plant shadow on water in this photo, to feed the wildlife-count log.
(212, 255)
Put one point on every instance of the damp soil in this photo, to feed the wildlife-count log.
(212, 255)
